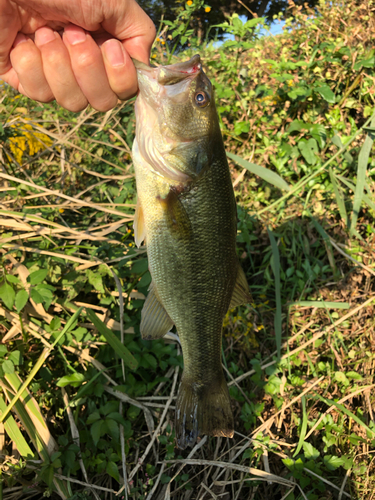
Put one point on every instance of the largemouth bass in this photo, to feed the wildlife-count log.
(186, 212)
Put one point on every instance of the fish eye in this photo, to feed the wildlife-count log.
(201, 99)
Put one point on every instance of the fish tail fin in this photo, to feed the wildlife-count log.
(203, 409)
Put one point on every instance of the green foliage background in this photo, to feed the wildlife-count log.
(300, 105)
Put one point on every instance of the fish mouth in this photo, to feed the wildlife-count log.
(173, 73)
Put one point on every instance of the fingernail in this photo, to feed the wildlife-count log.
(75, 35)
(114, 52)
(20, 38)
(44, 35)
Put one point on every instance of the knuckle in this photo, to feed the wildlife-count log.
(85, 60)
(105, 105)
(73, 105)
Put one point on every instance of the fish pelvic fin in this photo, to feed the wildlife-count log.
(241, 294)
(139, 225)
(155, 321)
(203, 409)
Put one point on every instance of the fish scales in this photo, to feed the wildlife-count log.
(186, 212)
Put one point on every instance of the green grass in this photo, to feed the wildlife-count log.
(297, 125)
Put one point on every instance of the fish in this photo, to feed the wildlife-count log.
(186, 215)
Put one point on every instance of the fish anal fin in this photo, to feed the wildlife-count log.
(139, 225)
(241, 294)
(203, 410)
(155, 321)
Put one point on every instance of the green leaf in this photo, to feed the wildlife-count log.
(265, 174)
(326, 93)
(75, 380)
(367, 63)
(15, 357)
(140, 266)
(337, 142)
(363, 160)
(7, 294)
(113, 429)
(96, 431)
(310, 452)
(151, 360)
(15, 434)
(321, 303)
(113, 341)
(7, 366)
(37, 276)
(339, 197)
(332, 462)
(241, 128)
(303, 427)
(13, 279)
(96, 280)
(145, 280)
(275, 264)
(354, 375)
(35, 295)
(112, 470)
(309, 150)
(93, 417)
(21, 299)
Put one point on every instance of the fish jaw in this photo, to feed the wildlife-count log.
(173, 129)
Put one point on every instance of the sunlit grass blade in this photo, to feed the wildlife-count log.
(322, 304)
(363, 160)
(351, 186)
(336, 139)
(329, 402)
(29, 413)
(339, 198)
(42, 358)
(275, 264)
(265, 174)
(327, 242)
(303, 427)
(113, 341)
(15, 434)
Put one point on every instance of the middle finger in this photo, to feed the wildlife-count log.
(88, 68)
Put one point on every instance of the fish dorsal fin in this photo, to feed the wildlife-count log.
(155, 322)
(241, 293)
(139, 225)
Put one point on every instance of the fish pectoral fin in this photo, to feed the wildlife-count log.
(176, 215)
(139, 225)
(155, 321)
(241, 293)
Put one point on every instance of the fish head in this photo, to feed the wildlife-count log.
(176, 119)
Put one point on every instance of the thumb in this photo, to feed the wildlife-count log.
(9, 26)
(133, 27)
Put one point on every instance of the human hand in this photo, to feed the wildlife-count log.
(90, 62)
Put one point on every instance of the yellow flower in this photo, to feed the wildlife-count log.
(61, 210)
(189, 2)
(158, 39)
(207, 9)
(154, 56)
(28, 139)
(163, 42)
